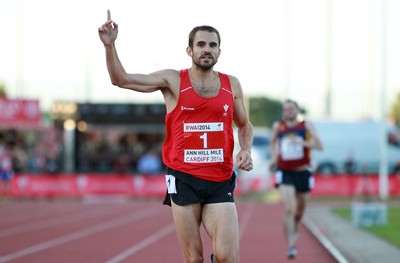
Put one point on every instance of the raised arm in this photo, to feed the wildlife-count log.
(108, 33)
(245, 128)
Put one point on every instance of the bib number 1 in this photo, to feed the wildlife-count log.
(204, 138)
(203, 142)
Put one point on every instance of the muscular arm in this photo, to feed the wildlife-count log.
(274, 146)
(138, 82)
(245, 128)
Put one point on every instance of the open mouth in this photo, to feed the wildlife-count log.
(206, 57)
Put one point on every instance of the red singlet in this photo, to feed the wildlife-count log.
(199, 131)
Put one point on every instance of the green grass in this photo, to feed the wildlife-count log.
(389, 232)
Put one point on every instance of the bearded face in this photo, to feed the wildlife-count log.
(205, 51)
(205, 62)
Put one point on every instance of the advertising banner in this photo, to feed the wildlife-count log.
(19, 113)
(81, 185)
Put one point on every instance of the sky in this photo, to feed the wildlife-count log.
(298, 49)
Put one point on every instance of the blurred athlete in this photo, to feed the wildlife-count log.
(291, 143)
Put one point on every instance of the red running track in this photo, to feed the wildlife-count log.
(134, 231)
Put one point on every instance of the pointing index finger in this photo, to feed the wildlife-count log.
(108, 15)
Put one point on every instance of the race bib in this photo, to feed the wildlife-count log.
(291, 150)
(170, 181)
(203, 142)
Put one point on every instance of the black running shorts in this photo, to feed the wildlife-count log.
(185, 189)
(302, 181)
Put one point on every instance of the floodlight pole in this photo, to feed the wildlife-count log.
(383, 167)
(328, 69)
(287, 50)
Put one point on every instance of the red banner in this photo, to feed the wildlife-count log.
(78, 185)
(353, 185)
(19, 113)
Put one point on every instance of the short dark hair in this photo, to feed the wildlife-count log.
(293, 102)
(203, 28)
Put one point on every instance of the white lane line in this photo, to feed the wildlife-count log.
(36, 211)
(246, 215)
(53, 222)
(324, 240)
(143, 244)
(81, 233)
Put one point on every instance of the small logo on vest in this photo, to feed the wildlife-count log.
(186, 108)
(226, 107)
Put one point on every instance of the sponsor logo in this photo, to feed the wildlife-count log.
(187, 108)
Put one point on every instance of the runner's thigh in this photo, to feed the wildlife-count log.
(220, 221)
(187, 222)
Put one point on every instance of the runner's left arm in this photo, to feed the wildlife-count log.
(245, 128)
